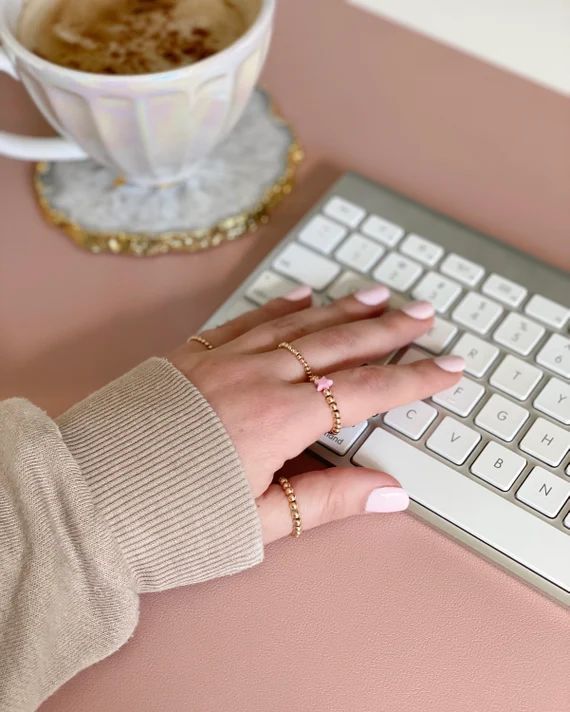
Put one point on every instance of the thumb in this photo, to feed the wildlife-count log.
(326, 495)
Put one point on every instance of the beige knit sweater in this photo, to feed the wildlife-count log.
(137, 488)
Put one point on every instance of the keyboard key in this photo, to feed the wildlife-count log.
(516, 377)
(322, 234)
(498, 466)
(412, 355)
(422, 250)
(477, 313)
(397, 272)
(547, 311)
(382, 230)
(438, 290)
(567, 520)
(463, 270)
(359, 252)
(554, 400)
(501, 417)
(547, 442)
(269, 286)
(519, 334)
(344, 211)
(555, 355)
(478, 354)
(306, 266)
(504, 290)
(438, 337)
(453, 440)
(461, 398)
(470, 506)
(544, 492)
(412, 419)
(343, 441)
(237, 308)
(348, 283)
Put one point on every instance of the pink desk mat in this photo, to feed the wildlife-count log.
(382, 614)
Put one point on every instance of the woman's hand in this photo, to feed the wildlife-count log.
(272, 413)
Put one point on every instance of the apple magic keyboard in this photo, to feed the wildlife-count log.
(487, 461)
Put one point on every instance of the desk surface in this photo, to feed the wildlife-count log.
(376, 614)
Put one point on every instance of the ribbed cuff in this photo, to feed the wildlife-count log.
(166, 477)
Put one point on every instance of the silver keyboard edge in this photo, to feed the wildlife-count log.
(520, 267)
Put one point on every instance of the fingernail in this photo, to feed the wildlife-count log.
(295, 295)
(387, 499)
(419, 310)
(373, 295)
(452, 364)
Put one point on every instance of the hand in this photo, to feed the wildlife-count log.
(272, 413)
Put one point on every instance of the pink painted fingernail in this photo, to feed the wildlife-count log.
(419, 310)
(387, 499)
(371, 296)
(452, 364)
(295, 295)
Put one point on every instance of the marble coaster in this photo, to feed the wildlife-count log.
(231, 192)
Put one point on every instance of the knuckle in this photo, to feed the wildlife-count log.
(338, 340)
(335, 505)
(371, 378)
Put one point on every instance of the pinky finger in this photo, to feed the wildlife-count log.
(326, 495)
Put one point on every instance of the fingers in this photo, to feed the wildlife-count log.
(356, 343)
(362, 392)
(326, 495)
(295, 301)
(363, 304)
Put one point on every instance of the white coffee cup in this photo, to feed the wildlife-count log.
(148, 128)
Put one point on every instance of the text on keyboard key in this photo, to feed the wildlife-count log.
(306, 266)
(344, 440)
(269, 286)
(438, 290)
(344, 211)
(555, 355)
(461, 269)
(515, 377)
(348, 283)
(382, 230)
(478, 354)
(412, 419)
(547, 311)
(544, 492)
(453, 440)
(359, 252)
(501, 417)
(438, 337)
(422, 250)
(518, 333)
(503, 290)
(547, 442)
(460, 398)
(498, 466)
(554, 400)
(397, 272)
(322, 234)
(477, 313)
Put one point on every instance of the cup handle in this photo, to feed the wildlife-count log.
(29, 148)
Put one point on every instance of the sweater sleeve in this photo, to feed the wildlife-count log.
(137, 488)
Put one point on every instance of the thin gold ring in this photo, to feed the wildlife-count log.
(287, 488)
(200, 340)
(298, 355)
(321, 383)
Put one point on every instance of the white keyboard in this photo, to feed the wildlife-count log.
(487, 461)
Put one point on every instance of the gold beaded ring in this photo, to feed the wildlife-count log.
(200, 340)
(287, 488)
(321, 383)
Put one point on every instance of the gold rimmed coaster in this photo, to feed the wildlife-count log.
(231, 192)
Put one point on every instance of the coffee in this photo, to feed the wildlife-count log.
(132, 36)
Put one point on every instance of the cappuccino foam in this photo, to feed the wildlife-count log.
(132, 36)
